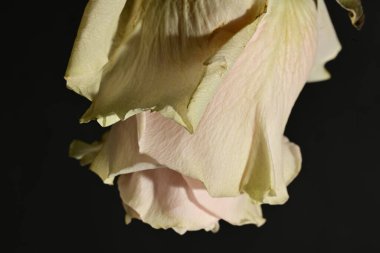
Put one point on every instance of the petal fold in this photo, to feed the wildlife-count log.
(118, 152)
(93, 42)
(162, 52)
(165, 199)
(239, 144)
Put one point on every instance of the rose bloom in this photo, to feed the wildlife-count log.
(198, 94)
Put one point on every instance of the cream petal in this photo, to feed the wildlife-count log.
(355, 9)
(116, 154)
(163, 61)
(90, 51)
(84, 152)
(328, 45)
(239, 144)
(165, 199)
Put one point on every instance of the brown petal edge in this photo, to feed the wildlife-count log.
(355, 12)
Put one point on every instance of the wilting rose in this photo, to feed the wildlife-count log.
(198, 93)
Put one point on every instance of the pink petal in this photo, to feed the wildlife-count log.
(165, 199)
(239, 144)
(120, 153)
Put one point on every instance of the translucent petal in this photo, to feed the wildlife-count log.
(118, 152)
(165, 199)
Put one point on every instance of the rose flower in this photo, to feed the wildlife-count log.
(198, 93)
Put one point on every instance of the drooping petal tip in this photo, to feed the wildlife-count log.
(355, 12)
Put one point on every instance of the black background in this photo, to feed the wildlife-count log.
(51, 204)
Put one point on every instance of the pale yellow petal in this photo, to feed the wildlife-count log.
(328, 45)
(92, 45)
(84, 152)
(173, 50)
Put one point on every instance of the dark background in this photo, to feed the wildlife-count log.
(51, 204)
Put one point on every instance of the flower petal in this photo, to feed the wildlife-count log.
(356, 12)
(165, 199)
(239, 144)
(118, 153)
(160, 65)
(85, 152)
(328, 45)
(90, 51)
